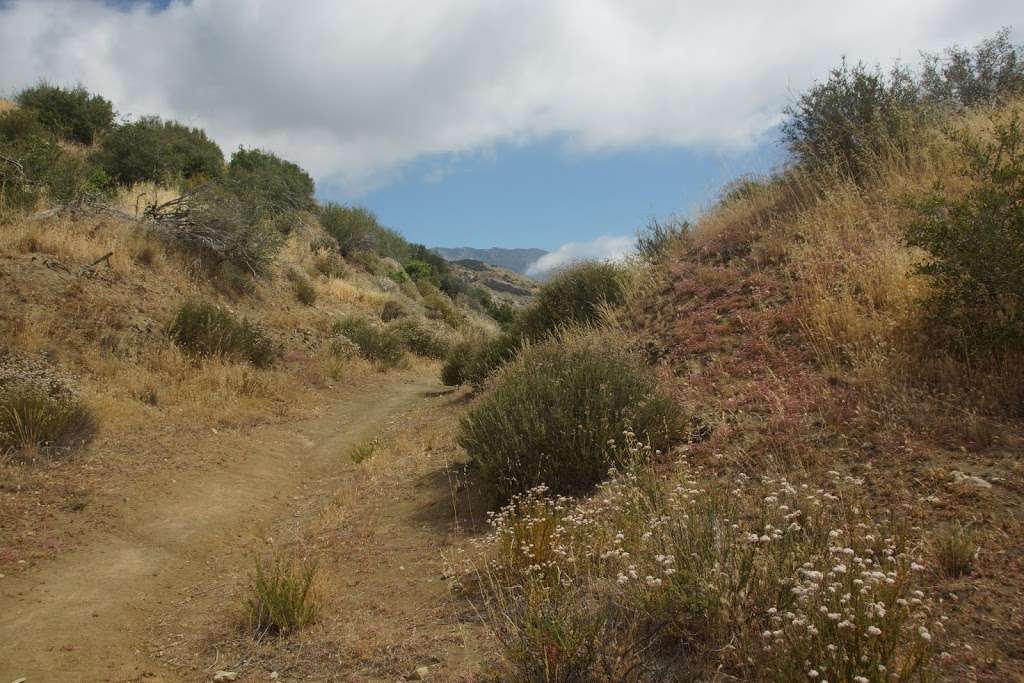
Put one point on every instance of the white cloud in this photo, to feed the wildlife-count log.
(604, 248)
(355, 89)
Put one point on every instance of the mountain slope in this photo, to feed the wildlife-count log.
(516, 260)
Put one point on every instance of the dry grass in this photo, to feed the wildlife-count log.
(792, 326)
(6, 105)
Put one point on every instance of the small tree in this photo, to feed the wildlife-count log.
(276, 186)
(991, 73)
(856, 116)
(352, 226)
(158, 151)
(74, 114)
(976, 245)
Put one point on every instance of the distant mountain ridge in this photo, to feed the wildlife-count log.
(516, 260)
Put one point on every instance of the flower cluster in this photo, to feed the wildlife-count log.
(785, 580)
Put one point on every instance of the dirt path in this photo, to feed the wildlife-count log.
(183, 542)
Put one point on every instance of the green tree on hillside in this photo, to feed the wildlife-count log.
(75, 115)
(159, 151)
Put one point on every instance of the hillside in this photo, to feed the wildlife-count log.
(516, 260)
(503, 285)
(248, 436)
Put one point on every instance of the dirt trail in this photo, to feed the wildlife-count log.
(85, 616)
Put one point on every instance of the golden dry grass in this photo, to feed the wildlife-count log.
(854, 279)
(6, 105)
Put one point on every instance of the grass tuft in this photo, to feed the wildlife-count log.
(281, 597)
(956, 550)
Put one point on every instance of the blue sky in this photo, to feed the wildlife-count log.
(543, 195)
(521, 123)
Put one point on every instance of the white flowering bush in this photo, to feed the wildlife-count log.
(764, 581)
(40, 410)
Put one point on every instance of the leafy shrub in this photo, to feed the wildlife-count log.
(420, 339)
(329, 264)
(487, 356)
(855, 117)
(375, 343)
(392, 310)
(440, 307)
(281, 597)
(75, 115)
(453, 372)
(418, 270)
(206, 330)
(33, 165)
(976, 244)
(573, 296)
(274, 186)
(153, 150)
(352, 226)
(552, 416)
(686, 580)
(992, 73)
(305, 292)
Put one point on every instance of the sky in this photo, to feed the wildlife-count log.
(558, 124)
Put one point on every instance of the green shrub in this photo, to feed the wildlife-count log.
(75, 115)
(473, 361)
(329, 264)
(32, 165)
(47, 421)
(71, 178)
(993, 72)
(276, 187)
(420, 339)
(574, 296)
(453, 372)
(976, 247)
(852, 119)
(440, 307)
(305, 292)
(418, 270)
(154, 150)
(206, 330)
(375, 343)
(392, 310)
(281, 598)
(552, 416)
(352, 226)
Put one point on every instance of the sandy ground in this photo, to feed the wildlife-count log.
(170, 562)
